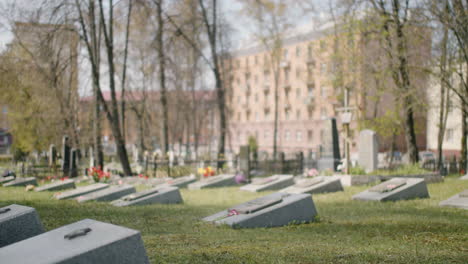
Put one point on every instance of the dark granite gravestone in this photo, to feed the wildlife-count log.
(86, 241)
(222, 180)
(18, 222)
(21, 182)
(80, 191)
(65, 156)
(330, 148)
(160, 195)
(459, 200)
(73, 158)
(274, 182)
(276, 209)
(320, 184)
(395, 189)
(52, 156)
(108, 194)
(57, 185)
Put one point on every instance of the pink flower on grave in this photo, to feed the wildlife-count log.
(240, 178)
(312, 173)
(120, 182)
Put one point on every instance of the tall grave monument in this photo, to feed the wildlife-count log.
(65, 156)
(330, 148)
(368, 150)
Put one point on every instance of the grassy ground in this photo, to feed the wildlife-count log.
(416, 231)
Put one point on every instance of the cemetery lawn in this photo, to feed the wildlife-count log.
(347, 231)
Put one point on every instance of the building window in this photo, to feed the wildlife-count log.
(323, 113)
(323, 45)
(322, 136)
(238, 63)
(286, 114)
(310, 112)
(256, 97)
(256, 79)
(310, 90)
(285, 54)
(298, 136)
(239, 116)
(298, 51)
(310, 135)
(266, 134)
(256, 60)
(298, 114)
(257, 118)
(298, 73)
(323, 68)
(309, 51)
(287, 135)
(323, 91)
(247, 62)
(310, 69)
(449, 135)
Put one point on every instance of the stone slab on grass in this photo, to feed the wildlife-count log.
(459, 200)
(80, 191)
(320, 184)
(181, 182)
(109, 194)
(57, 185)
(274, 182)
(222, 180)
(160, 195)
(21, 182)
(7, 179)
(395, 189)
(86, 241)
(18, 222)
(276, 209)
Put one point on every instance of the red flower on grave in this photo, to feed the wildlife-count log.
(146, 177)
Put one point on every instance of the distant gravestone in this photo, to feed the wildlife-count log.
(21, 182)
(395, 189)
(86, 241)
(274, 182)
(244, 161)
(320, 184)
(65, 155)
(330, 148)
(57, 185)
(368, 150)
(108, 194)
(6, 179)
(80, 191)
(92, 162)
(459, 200)
(160, 195)
(276, 209)
(223, 180)
(52, 156)
(136, 154)
(181, 182)
(18, 222)
(73, 167)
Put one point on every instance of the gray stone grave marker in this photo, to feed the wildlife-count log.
(181, 182)
(244, 160)
(222, 180)
(395, 189)
(57, 185)
(459, 200)
(18, 222)
(108, 194)
(330, 149)
(368, 150)
(320, 184)
(161, 195)
(274, 182)
(86, 241)
(21, 182)
(6, 179)
(80, 191)
(276, 209)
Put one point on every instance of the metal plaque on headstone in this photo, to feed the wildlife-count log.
(18, 222)
(86, 241)
(368, 150)
(65, 155)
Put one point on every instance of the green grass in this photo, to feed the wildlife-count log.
(415, 231)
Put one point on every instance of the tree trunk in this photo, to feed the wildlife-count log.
(162, 76)
(443, 111)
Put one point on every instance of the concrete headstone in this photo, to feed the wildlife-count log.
(108, 194)
(222, 180)
(368, 150)
(459, 200)
(320, 184)
(276, 209)
(21, 182)
(160, 195)
(395, 189)
(274, 182)
(6, 179)
(86, 241)
(57, 185)
(18, 222)
(80, 191)
(181, 182)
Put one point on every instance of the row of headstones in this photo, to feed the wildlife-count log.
(24, 240)
(69, 158)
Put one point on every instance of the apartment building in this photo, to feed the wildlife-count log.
(314, 71)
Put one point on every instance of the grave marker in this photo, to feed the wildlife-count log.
(21, 182)
(65, 156)
(86, 241)
(459, 200)
(274, 182)
(6, 179)
(222, 180)
(18, 222)
(368, 150)
(275, 209)
(182, 182)
(52, 156)
(330, 148)
(320, 184)
(161, 195)
(80, 191)
(57, 185)
(395, 189)
(73, 168)
(108, 194)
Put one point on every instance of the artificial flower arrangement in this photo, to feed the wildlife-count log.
(98, 175)
(206, 172)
